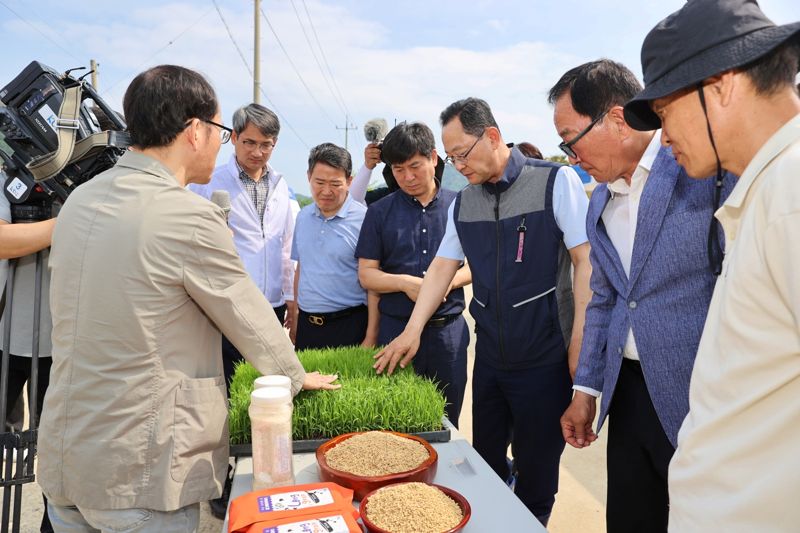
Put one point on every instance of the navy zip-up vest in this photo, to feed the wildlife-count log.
(522, 297)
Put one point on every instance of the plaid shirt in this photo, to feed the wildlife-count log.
(258, 190)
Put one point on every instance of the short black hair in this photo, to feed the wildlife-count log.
(596, 86)
(475, 115)
(333, 156)
(160, 101)
(404, 141)
(775, 70)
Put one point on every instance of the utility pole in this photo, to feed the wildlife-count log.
(347, 127)
(93, 67)
(257, 52)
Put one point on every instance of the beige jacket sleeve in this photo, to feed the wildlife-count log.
(216, 280)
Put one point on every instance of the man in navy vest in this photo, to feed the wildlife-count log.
(651, 283)
(398, 241)
(521, 225)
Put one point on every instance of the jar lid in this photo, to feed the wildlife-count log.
(270, 396)
(273, 381)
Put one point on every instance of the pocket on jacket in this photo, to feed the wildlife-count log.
(528, 319)
(200, 428)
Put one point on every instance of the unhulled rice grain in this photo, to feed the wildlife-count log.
(376, 453)
(413, 508)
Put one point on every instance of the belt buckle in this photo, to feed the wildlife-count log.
(437, 322)
(316, 320)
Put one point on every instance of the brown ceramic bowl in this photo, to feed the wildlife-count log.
(458, 498)
(362, 485)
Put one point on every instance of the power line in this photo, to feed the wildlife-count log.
(324, 58)
(154, 54)
(296, 71)
(316, 59)
(250, 71)
(41, 32)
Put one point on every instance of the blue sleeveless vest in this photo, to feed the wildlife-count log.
(522, 296)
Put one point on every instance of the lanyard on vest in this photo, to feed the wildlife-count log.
(521, 243)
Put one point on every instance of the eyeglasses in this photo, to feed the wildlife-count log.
(453, 159)
(566, 147)
(224, 131)
(264, 147)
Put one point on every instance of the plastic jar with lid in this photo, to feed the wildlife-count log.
(271, 436)
(275, 380)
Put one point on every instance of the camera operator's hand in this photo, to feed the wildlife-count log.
(372, 155)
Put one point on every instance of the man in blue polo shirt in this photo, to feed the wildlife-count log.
(331, 304)
(398, 241)
(521, 225)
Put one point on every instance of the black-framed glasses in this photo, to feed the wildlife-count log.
(566, 147)
(224, 131)
(453, 159)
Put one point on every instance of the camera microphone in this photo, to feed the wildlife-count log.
(375, 130)
(222, 199)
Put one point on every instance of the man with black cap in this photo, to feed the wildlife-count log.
(720, 82)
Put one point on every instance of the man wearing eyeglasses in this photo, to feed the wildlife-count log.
(261, 217)
(652, 281)
(521, 225)
(144, 277)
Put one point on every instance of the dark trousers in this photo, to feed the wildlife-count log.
(19, 373)
(522, 406)
(347, 330)
(231, 356)
(442, 357)
(638, 456)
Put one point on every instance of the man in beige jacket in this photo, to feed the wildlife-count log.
(144, 277)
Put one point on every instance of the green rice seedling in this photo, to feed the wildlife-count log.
(402, 402)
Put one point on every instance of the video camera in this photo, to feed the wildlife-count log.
(56, 133)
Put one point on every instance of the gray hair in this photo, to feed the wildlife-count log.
(259, 116)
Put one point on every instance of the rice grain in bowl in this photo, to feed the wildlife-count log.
(414, 508)
(369, 460)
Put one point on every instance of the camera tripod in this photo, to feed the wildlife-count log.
(19, 449)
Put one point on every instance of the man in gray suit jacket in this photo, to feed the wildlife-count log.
(648, 224)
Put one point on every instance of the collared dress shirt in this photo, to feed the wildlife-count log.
(737, 466)
(620, 220)
(325, 248)
(404, 235)
(258, 190)
(263, 240)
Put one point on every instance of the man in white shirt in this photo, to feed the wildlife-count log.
(651, 285)
(261, 216)
(720, 82)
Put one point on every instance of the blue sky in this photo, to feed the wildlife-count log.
(397, 60)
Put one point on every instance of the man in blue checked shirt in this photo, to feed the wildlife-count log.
(331, 303)
(398, 241)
